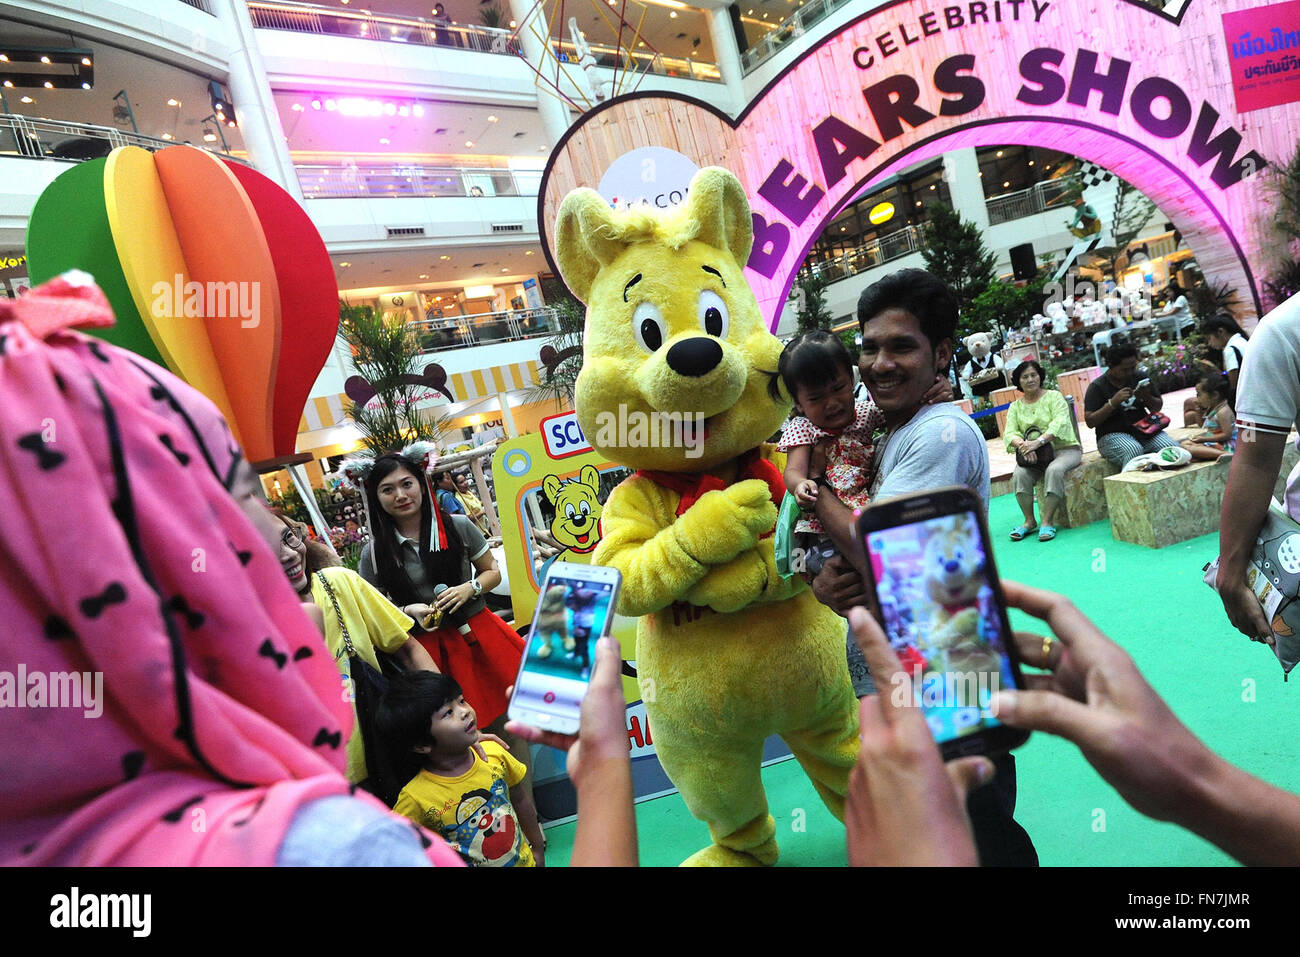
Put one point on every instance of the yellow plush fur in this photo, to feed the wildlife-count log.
(727, 651)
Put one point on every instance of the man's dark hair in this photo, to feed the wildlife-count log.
(1021, 369)
(923, 294)
(407, 708)
(1118, 352)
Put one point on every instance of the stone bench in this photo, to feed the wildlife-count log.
(1085, 496)
(1162, 508)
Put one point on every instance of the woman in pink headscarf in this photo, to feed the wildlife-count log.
(207, 724)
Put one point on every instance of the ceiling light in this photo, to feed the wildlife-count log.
(1031, 162)
(331, 105)
(492, 119)
(469, 143)
(345, 264)
(166, 136)
(390, 109)
(437, 298)
(505, 270)
(45, 60)
(933, 186)
(444, 257)
(315, 104)
(403, 111)
(999, 154)
(297, 107)
(418, 110)
(173, 102)
(1006, 184)
(27, 99)
(4, 58)
(48, 85)
(424, 275)
(85, 61)
(9, 84)
(513, 24)
(528, 252)
(209, 136)
(672, 14)
(85, 86)
(383, 141)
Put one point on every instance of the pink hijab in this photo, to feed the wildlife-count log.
(124, 556)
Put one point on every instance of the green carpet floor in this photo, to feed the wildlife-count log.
(1155, 605)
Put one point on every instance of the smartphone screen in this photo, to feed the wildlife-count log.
(937, 591)
(574, 608)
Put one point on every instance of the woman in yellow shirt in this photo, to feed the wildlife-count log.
(372, 621)
(1037, 419)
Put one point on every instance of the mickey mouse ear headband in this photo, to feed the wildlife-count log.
(356, 468)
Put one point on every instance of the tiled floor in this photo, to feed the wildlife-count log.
(1002, 462)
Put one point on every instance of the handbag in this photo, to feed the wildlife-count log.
(1042, 456)
(369, 685)
(783, 537)
(1273, 573)
(1151, 424)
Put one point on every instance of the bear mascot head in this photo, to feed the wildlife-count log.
(675, 338)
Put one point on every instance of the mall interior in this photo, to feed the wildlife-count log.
(415, 135)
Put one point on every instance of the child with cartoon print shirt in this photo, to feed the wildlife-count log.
(461, 785)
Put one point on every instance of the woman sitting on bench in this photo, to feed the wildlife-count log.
(1041, 434)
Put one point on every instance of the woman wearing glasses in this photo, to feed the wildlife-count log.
(336, 597)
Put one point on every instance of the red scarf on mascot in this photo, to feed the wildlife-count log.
(691, 485)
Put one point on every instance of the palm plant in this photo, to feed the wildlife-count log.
(386, 354)
(559, 381)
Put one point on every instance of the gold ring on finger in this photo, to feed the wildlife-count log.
(1047, 650)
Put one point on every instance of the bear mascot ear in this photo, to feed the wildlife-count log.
(717, 202)
(585, 240)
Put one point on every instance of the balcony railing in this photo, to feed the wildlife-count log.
(796, 25)
(1026, 202)
(456, 332)
(311, 18)
(638, 62)
(869, 255)
(57, 139)
(334, 182)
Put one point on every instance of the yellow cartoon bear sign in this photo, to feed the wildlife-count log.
(733, 652)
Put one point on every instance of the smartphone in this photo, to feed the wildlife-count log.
(942, 607)
(1142, 385)
(575, 608)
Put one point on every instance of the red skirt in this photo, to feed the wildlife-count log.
(484, 662)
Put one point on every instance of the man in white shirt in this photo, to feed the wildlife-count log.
(1268, 405)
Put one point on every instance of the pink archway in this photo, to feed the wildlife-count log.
(910, 79)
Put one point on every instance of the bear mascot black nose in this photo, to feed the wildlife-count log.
(695, 356)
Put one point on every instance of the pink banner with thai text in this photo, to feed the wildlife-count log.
(1264, 55)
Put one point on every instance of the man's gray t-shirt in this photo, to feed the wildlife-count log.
(940, 445)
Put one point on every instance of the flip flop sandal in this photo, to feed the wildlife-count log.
(1019, 533)
(1047, 533)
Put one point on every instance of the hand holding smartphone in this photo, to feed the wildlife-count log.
(575, 608)
(931, 565)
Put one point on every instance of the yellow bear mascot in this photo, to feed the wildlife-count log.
(728, 652)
